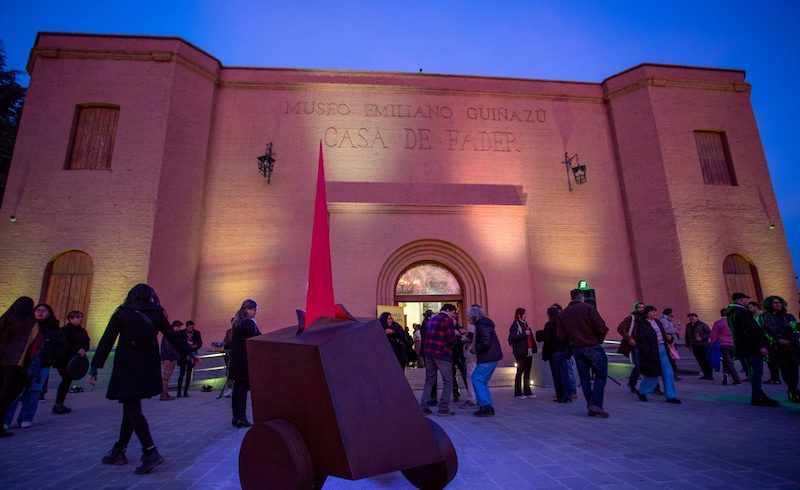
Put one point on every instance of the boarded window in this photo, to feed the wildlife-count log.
(741, 276)
(67, 284)
(93, 138)
(715, 158)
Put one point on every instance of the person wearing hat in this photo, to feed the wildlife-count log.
(77, 345)
(627, 346)
(169, 357)
(697, 335)
(749, 342)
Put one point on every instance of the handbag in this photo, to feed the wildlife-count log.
(673, 352)
(624, 347)
(77, 367)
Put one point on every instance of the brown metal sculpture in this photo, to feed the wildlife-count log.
(330, 399)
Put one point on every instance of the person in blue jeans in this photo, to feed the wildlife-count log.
(52, 351)
(556, 354)
(488, 351)
(582, 328)
(654, 361)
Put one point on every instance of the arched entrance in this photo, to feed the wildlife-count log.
(741, 276)
(427, 287)
(67, 284)
(431, 271)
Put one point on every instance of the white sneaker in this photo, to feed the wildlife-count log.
(25, 425)
(521, 397)
(5, 427)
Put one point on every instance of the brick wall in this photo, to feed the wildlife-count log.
(185, 208)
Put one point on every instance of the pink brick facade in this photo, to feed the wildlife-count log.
(460, 171)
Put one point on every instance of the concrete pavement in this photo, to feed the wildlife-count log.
(714, 440)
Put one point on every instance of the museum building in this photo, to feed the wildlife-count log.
(137, 160)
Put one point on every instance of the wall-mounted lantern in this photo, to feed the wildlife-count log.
(578, 169)
(266, 163)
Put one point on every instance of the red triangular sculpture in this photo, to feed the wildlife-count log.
(319, 299)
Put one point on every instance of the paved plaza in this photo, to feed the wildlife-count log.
(714, 440)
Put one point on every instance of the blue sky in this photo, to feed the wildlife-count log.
(566, 40)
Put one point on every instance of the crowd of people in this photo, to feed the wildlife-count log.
(755, 334)
(32, 342)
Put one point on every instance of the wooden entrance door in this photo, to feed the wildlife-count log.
(67, 284)
(741, 276)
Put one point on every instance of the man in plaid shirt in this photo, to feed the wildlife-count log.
(439, 337)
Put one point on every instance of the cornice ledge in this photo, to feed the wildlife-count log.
(437, 209)
(128, 55)
(661, 82)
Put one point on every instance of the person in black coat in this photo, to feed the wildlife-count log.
(750, 343)
(77, 339)
(654, 360)
(19, 344)
(397, 337)
(520, 338)
(194, 341)
(244, 327)
(556, 353)
(137, 369)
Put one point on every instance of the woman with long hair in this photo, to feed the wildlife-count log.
(520, 338)
(244, 327)
(20, 342)
(52, 352)
(137, 369)
(397, 337)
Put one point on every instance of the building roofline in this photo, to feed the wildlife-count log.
(128, 36)
(340, 71)
(667, 65)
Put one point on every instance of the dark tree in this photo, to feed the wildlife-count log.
(12, 95)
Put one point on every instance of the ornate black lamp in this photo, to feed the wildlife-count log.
(578, 169)
(266, 163)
